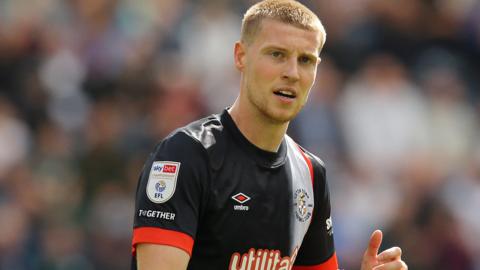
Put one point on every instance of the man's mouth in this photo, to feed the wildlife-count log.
(285, 93)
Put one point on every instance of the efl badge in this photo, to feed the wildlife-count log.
(162, 180)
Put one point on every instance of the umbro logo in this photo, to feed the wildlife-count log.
(240, 198)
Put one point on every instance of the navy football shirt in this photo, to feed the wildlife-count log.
(231, 205)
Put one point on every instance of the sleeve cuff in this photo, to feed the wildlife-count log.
(330, 264)
(154, 235)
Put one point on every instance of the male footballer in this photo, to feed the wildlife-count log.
(233, 191)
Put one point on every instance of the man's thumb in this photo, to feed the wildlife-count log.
(374, 244)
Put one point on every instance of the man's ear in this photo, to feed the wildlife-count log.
(239, 55)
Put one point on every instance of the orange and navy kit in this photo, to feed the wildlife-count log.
(207, 190)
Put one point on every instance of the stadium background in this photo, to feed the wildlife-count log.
(87, 87)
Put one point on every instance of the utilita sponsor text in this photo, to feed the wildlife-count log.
(262, 259)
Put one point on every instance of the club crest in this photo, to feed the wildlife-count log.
(303, 205)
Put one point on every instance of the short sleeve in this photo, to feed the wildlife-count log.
(171, 193)
(317, 251)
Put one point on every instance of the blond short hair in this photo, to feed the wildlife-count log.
(286, 11)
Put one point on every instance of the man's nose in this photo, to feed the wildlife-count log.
(291, 72)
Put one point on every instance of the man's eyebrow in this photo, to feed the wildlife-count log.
(278, 48)
(274, 47)
(310, 55)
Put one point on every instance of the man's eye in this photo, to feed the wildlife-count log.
(305, 60)
(276, 54)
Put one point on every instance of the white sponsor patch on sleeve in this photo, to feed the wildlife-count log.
(162, 180)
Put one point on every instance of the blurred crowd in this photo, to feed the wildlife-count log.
(88, 87)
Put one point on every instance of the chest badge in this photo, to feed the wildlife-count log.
(303, 205)
(240, 198)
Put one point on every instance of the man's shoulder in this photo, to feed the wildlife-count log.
(201, 137)
(205, 131)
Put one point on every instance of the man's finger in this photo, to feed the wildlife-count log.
(391, 254)
(396, 265)
(374, 244)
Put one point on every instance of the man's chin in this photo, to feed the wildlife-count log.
(281, 117)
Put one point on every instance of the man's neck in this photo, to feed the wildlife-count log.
(261, 132)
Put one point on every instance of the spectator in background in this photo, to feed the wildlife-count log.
(14, 137)
(452, 125)
(383, 115)
(213, 27)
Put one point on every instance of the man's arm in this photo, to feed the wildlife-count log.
(170, 195)
(160, 257)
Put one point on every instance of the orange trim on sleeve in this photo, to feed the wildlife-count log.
(330, 264)
(309, 163)
(160, 236)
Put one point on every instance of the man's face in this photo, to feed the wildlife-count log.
(279, 68)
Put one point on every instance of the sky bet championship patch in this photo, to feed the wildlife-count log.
(162, 180)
